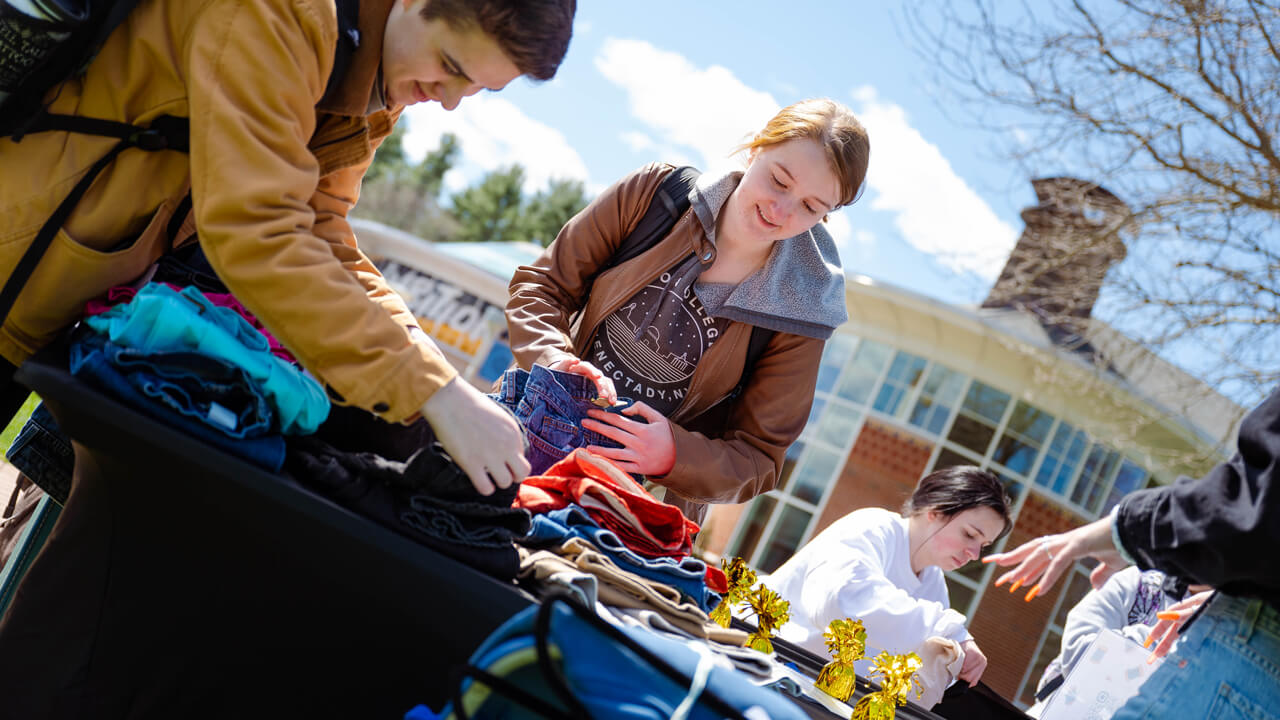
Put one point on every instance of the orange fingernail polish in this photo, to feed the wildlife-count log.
(989, 558)
(1001, 581)
(1034, 592)
(1150, 639)
(1167, 615)
(1014, 587)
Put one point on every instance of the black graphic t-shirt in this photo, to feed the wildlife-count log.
(653, 361)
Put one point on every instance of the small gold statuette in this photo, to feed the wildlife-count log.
(897, 676)
(847, 643)
(771, 612)
(740, 577)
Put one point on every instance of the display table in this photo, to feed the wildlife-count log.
(181, 581)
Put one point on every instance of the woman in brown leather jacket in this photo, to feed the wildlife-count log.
(670, 328)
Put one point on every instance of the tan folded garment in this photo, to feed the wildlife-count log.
(943, 659)
(621, 588)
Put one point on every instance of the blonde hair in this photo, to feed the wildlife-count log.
(834, 127)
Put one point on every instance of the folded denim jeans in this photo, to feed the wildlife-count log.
(89, 362)
(197, 386)
(44, 454)
(687, 574)
(550, 405)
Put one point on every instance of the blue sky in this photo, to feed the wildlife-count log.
(686, 82)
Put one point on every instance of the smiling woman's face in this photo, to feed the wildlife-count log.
(787, 189)
(951, 542)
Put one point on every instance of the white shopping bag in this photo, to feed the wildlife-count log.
(1111, 671)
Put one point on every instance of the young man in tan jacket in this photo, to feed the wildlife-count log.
(277, 153)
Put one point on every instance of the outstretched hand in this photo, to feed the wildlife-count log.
(482, 438)
(648, 448)
(604, 386)
(1165, 631)
(1040, 562)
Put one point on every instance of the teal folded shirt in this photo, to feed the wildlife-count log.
(161, 319)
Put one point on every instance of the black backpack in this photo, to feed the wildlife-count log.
(38, 54)
(669, 203)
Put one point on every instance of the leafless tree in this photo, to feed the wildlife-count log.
(1174, 107)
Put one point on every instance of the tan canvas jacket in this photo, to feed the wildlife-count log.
(718, 460)
(272, 176)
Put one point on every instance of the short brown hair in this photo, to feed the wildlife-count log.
(533, 34)
(831, 125)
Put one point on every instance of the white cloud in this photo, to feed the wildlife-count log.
(706, 111)
(493, 133)
(934, 208)
(637, 141)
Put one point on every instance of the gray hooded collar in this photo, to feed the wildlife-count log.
(799, 290)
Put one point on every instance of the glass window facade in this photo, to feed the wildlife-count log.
(905, 373)
(938, 398)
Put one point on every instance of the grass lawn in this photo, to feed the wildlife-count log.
(11, 432)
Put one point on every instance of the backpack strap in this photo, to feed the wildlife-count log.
(669, 202)
(165, 133)
(73, 55)
(348, 40)
(760, 338)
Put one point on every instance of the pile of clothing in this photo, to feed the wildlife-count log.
(196, 361)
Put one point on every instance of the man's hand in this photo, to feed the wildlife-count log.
(1040, 562)
(975, 663)
(648, 448)
(485, 441)
(604, 386)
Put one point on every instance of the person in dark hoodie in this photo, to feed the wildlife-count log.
(1219, 530)
(671, 327)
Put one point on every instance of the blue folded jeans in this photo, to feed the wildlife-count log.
(688, 575)
(1225, 665)
(203, 388)
(550, 405)
(90, 363)
(44, 454)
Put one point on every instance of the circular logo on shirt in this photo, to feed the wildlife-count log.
(668, 346)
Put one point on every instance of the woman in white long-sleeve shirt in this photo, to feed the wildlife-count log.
(886, 569)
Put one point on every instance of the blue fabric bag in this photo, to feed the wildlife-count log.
(560, 660)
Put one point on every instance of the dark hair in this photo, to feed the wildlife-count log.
(533, 34)
(953, 490)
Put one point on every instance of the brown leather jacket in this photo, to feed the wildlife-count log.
(272, 176)
(727, 451)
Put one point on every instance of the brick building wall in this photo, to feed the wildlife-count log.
(881, 471)
(1005, 626)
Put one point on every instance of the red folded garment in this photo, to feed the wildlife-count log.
(614, 500)
(716, 579)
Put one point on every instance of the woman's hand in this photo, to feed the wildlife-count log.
(1165, 632)
(1040, 562)
(648, 448)
(975, 663)
(604, 386)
